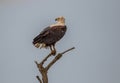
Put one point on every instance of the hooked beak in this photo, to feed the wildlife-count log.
(56, 19)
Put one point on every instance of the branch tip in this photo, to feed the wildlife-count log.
(39, 79)
(36, 63)
(68, 50)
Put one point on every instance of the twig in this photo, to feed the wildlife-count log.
(39, 79)
(68, 50)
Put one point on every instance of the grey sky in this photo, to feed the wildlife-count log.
(93, 28)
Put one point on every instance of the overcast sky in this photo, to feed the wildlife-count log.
(93, 28)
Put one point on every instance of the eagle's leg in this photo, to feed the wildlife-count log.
(53, 50)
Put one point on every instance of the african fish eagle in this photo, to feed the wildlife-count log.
(50, 35)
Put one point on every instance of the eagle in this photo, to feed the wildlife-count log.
(50, 35)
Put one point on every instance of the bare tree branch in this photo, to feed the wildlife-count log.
(59, 55)
(43, 70)
(68, 50)
(39, 79)
(45, 59)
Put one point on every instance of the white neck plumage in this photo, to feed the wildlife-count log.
(58, 24)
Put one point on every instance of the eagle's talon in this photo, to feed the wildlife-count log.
(53, 52)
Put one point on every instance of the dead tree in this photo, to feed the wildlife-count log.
(43, 70)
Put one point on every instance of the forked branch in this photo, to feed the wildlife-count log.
(43, 70)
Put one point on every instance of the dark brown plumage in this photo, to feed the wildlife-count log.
(50, 35)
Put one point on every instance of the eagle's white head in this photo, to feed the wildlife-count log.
(59, 21)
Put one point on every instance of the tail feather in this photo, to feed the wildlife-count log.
(40, 45)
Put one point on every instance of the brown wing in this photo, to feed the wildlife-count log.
(38, 39)
(51, 35)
